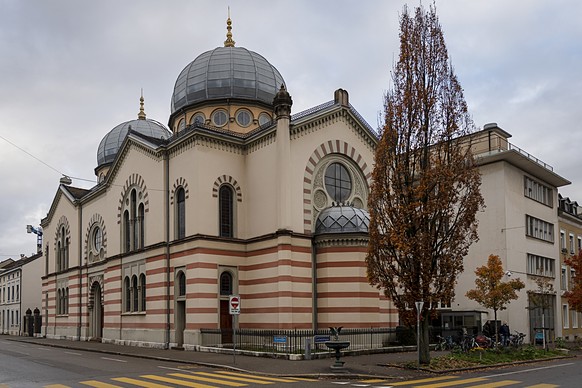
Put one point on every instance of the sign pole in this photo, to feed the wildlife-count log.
(234, 310)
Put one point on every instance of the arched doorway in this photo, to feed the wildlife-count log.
(96, 312)
(180, 313)
(226, 289)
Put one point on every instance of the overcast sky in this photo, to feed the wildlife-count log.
(72, 70)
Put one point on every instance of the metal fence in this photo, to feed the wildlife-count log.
(295, 341)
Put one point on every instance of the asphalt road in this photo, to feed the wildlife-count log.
(24, 365)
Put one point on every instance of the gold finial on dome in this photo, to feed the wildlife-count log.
(228, 42)
(141, 115)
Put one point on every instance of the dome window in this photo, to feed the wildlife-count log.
(338, 182)
(244, 117)
(219, 117)
(181, 125)
(198, 118)
(264, 118)
(97, 239)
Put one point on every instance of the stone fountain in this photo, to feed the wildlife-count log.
(337, 345)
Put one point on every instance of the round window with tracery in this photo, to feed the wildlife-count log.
(338, 182)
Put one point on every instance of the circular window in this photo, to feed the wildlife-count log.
(97, 239)
(198, 118)
(244, 117)
(219, 117)
(338, 182)
(264, 119)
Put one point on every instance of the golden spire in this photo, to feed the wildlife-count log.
(228, 42)
(141, 115)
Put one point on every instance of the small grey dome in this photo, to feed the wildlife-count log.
(226, 72)
(111, 143)
(342, 219)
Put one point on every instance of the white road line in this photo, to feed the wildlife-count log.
(73, 353)
(529, 370)
(167, 367)
(112, 359)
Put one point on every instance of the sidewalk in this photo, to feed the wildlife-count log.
(356, 367)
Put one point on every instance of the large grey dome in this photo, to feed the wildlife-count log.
(111, 143)
(226, 72)
(342, 219)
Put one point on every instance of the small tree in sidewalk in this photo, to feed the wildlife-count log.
(574, 295)
(491, 292)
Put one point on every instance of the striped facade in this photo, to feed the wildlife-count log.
(177, 224)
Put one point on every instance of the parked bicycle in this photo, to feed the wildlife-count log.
(516, 340)
(445, 343)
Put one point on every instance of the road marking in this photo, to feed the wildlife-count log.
(275, 379)
(208, 380)
(300, 379)
(176, 381)
(531, 370)
(73, 353)
(139, 383)
(98, 384)
(113, 359)
(543, 386)
(372, 381)
(496, 384)
(456, 382)
(429, 380)
(222, 376)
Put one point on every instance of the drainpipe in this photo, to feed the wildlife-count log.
(80, 245)
(314, 285)
(167, 200)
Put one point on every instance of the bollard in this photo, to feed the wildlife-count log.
(308, 348)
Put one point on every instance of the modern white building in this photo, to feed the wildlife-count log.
(520, 225)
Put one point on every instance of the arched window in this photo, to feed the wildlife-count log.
(134, 293)
(59, 254)
(133, 228)
(127, 291)
(181, 284)
(226, 283)
(141, 225)
(225, 204)
(66, 304)
(59, 300)
(142, 290)
(180, 213)
(133, 219)
(126, 231)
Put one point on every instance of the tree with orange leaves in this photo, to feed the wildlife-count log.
(425, 189)
(574, 295)
(491, 292)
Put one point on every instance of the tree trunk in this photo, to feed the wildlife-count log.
(496, 339)
(424, 350)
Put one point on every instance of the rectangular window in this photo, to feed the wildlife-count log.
(574, 319)
(539, 229)
(564, 278)
(562, 240)
(539, 265)
(571, 243)
(579, 243)
(572, 276)
(565, 316)
(538, 192)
